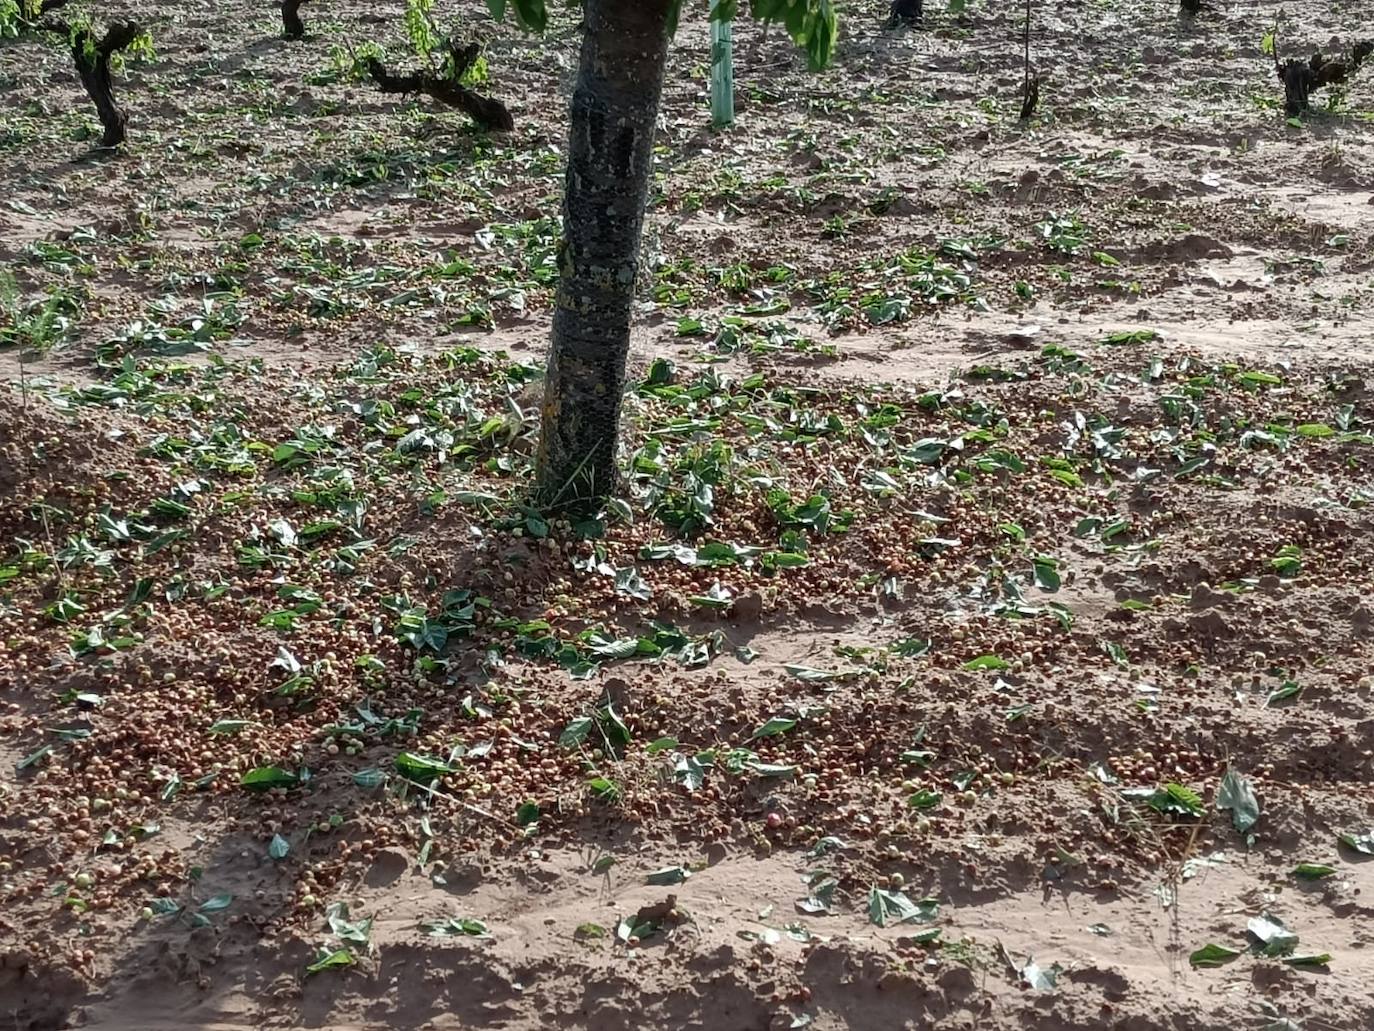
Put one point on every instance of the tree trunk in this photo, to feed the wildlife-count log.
(292, 26)
(93, 65)
(485, 111)
(610, 156)
(905, 12)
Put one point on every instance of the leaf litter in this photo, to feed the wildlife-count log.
(233, 487)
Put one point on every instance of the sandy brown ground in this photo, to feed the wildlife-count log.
(881, 233)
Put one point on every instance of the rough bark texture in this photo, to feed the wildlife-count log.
(1301, 78)
(1298, 82)
(1030, 97)
(92, 59)
(610, 155)
(1030, 89)
(905, 12)
(448, 90)
(292, 26)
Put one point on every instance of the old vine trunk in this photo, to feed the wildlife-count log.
(292, 25)
(92, 59)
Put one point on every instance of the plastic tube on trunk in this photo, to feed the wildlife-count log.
(722, 71)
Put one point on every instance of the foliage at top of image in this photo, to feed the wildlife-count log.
(812, 24)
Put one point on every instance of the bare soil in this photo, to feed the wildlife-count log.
(1087, 400)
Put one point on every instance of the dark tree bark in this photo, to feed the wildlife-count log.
(610, 161)
(1298, 82)
(92, 59)
(1030, 97)
(905, 12)
(292, 26)
(1302, 78)
(485, 111)
(1030, 88)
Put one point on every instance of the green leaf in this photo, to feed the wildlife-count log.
(576, 732)
(1276, 939)
(1288, 689)
(689, 772)
(810, 674)
(1116, 653)
(340, 926)
(1237, 794)
(772, 769)
(278, 847)
(829, 843)
(987, 662)
(1310, 959)
(1212, 956)
(822, 895)
(604, 788)
(1361, 841)
(614, 727)
(1313, 871)
(910, 647)
(172, 786)
(668, 875)
(216, 904)
(661, 372)
(530, 15)
(33, 758)
(1046, 572)
(1086, 526)
(1042, 979)
(422, 768)
(264, 778)
(885, 907)
(614, 648)
(1177, 800)
(230, 727)
(139, 592)
(527, 813)
(812, 24)
(331, 960)
(455, 927)
(663, 744)
(924, 799)
(776, 725)
(783, 560)
(370, 778)
(1135, 336)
